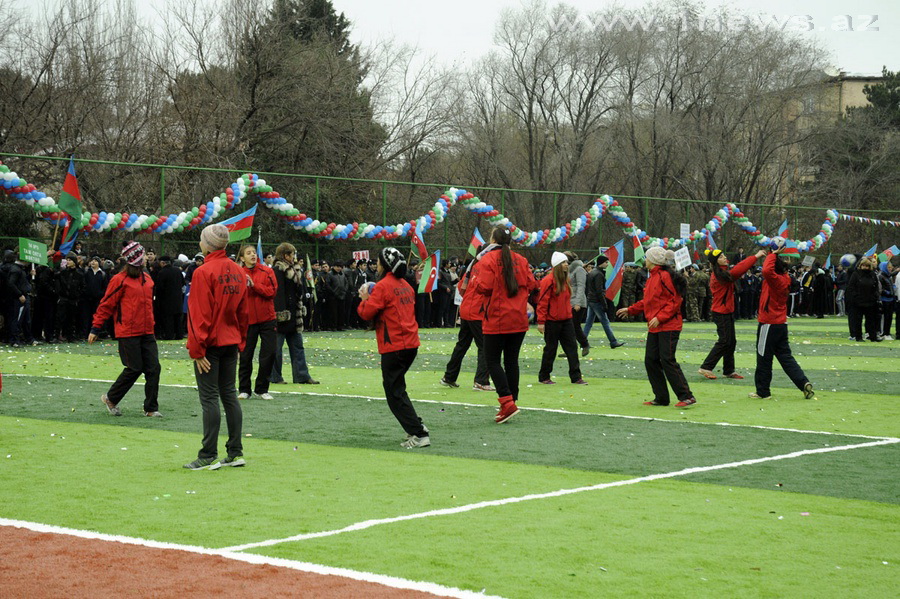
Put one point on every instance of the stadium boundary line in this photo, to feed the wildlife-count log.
(253, 558)
(562, 492)
(524, 408)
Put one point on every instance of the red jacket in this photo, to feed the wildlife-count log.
(217, 306)
(551, 306)
(261, 296)
(723, 293)
(661, 301)
(392, 304)
(774, 296)
(472, 306)
(503, 314)
(129, 301)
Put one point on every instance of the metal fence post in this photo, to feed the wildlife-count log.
(317, 215)
(555, 208)
(162, 206)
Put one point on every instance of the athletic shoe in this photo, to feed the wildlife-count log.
(309, 382)
(110, 406)
(707, 373)
(451, 384)
(507, 411)
(585, 350)
(424, 428)
(655, 403)
(547, 382)
(580, 382)
(755, 395)
(480, 387)
(616, 344)
(266, 396)
(243, 396)
(236, 462)
(888, 338)
(153, 415)
(684, 403)
(734, 375)
(808, 392)
(414, 442)
(200, 464)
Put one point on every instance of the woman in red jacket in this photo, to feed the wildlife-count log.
(554, 316)
(504, 280)
(261, 287)
(391, 303)
(129, 301)
(663, 297)
(721, 283)
(772, 333)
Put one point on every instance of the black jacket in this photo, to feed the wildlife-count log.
(95, 284)
(169, 290)
(70, 284)
(863, 290)
(595, 285)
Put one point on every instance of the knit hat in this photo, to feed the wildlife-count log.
(601, 260)
(655, 255)
(392, 259)
(215, 236)
(133, 253)
(558, 258)
(670, 258)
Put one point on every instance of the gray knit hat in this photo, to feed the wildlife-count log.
(655, 255)
(215, 236)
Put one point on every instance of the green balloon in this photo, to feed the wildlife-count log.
(118, 218)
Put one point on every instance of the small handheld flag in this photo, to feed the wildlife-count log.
(70, 201)
(783, 230)
(259, 256)
(614, 272)
(418, 244)
(310, 282)
(710, 242)
(476, 242)
(828, 262)
(432, 266)
(239, 227)
(638, 251)
(872, 250)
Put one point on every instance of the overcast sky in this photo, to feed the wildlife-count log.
(462, 30)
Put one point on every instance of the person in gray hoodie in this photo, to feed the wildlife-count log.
(578, 281)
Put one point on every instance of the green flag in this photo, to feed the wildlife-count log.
(70, 200)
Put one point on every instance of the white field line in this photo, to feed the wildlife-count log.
(251, 558)
(510, 500)
(475, 405)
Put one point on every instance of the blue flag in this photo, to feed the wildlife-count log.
(872, 250)
(828, 262)
(710, 242)
(259, 254)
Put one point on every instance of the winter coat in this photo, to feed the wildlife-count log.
(169, 289)
(392, 305)
(217, 306)
(595, 286)
(129, 302)
(261, 295)
(661, 301)
(289, 310)
(773, 300)
(723, 292)
(577, 279)
(503, 314)
(863, 290)
(551, 306)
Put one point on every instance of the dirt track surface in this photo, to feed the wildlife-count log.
(34, 564)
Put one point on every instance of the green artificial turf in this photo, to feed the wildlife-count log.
(817, 525)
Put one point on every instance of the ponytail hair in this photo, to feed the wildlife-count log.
(561, 279)
(501, 237)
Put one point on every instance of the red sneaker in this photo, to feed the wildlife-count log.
(686, 402)
(654, 403)
(733, 375)
(508, 409)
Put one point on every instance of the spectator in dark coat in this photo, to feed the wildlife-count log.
(95, 281)
(18, 302)
(70, 286)
(864, 300)
(169, 291)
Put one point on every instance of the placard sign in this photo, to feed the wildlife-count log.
(361, 255)
(32, 251)
(682, 258)
(685, 230)
(808, 260)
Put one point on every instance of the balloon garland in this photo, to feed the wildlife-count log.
(250, 183)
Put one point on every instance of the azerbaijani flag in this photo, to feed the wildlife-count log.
(888, 253)
(239, 226)
(418, 244)
(790, 248)
(710, 242)
(432, 266)
(259, 256)
(70, 201)
(872, 250)
(638, 250)
(783, 230)
(614, 271)
(476, 242)
(828, 262)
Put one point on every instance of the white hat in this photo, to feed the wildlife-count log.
(655, 255)
(558, 258)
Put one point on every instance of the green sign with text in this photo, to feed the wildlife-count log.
(32, 251)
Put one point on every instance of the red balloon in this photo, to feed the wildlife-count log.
(94, 219)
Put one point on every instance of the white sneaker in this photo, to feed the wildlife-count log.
(243, 396)
(266, 396)
(414, 442)
(888, 338)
